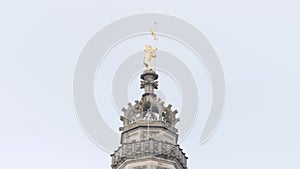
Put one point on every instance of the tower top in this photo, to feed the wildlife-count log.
(149, 108)
(149, 137)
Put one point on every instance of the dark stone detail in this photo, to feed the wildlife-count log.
(144, 83)
(149, 73)
(149, 94)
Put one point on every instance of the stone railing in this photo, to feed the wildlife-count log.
(151, 148)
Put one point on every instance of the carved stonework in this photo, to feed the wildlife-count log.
(149, 136)
(149, 108)
(149, 148)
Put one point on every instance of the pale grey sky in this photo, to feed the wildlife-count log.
(257, 42)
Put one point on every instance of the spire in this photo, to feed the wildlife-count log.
(149, 136)
(149, 108)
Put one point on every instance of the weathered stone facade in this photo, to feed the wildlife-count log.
(149, 137)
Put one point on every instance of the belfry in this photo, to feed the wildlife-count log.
(149, 137)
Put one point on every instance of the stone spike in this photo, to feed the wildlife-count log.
(176, 121)
(124, 110)
(168, 108)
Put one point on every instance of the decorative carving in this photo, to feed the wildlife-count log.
(149, 110)
(150, 83)
(149, 137)
(149, 148)
(129, 149)
(149, 142)
(138, 147)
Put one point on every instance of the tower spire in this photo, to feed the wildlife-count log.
(149, 136)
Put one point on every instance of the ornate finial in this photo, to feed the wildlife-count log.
(149, 50)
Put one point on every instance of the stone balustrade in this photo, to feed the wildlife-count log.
(146, 148)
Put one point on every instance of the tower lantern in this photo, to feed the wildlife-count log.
(149, 136)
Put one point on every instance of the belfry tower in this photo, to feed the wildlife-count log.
(149, 136)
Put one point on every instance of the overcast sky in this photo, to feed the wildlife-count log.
(257, 43)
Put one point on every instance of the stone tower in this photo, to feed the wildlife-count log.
(149, 137)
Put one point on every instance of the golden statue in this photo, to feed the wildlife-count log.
(149, 51)
(149, 54)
